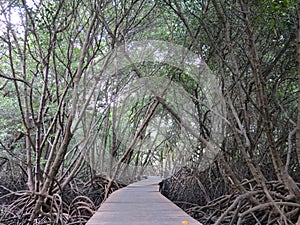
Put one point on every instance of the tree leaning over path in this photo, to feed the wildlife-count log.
(53, 61)
(63, 125)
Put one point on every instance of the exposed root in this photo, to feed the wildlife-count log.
(233, 208)
(75, 205)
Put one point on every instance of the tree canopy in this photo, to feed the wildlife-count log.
(96, 94)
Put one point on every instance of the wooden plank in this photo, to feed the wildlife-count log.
(140, 204)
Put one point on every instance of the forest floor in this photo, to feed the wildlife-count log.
(74, 205)
(206, 197)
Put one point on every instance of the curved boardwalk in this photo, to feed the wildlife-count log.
(139, 204)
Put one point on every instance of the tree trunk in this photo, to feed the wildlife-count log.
(298, 68)
(281, 173)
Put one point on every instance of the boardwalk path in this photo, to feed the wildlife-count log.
(140, 204)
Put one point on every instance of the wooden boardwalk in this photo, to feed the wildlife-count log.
(140, 204)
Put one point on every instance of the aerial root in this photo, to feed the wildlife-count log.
(238, 209)
(75, 205)
(208, 198)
